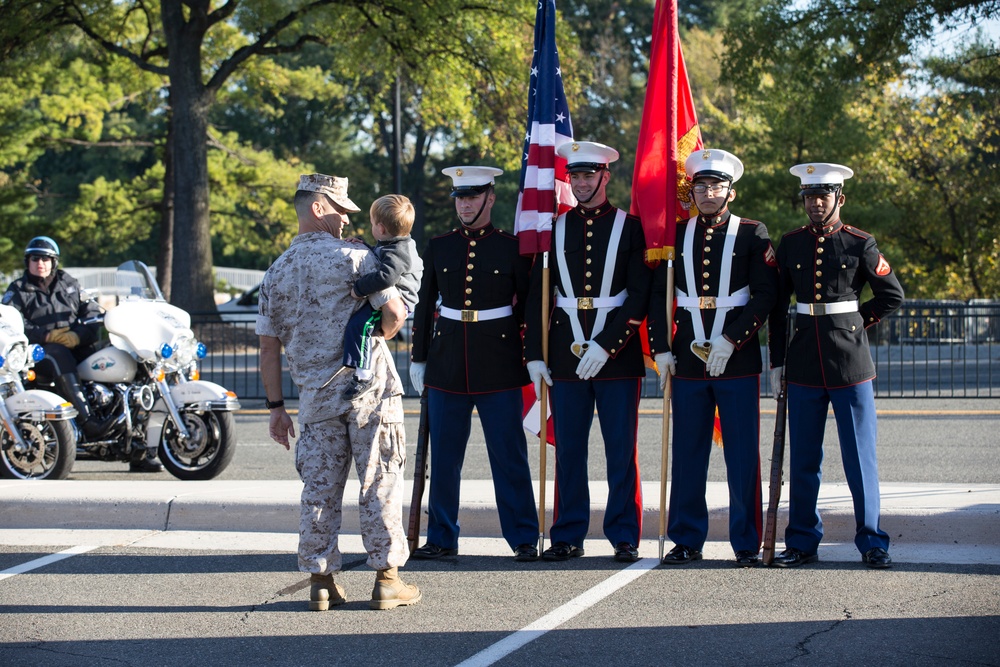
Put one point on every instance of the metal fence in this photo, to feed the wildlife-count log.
(926, 349)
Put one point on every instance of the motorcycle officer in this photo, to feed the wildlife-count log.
(54, 309)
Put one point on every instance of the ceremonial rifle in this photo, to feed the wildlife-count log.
(777, 457)
(419, 475)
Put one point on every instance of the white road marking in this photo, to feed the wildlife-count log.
(44, 560)
(560, 615)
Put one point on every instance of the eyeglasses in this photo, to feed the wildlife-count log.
(39, 258)
(715, 188)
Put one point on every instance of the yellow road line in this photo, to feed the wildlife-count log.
(890, 413)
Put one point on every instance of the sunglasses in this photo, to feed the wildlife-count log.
(39, 258)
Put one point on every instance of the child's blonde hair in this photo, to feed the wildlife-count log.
(395, 213)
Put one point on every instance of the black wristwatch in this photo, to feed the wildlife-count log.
(280, 403)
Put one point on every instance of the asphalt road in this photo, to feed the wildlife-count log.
(920, 440)
(174, 598)
(141, 600)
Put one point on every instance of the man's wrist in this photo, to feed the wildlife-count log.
(271, 405)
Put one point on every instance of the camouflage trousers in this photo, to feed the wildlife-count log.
(375, 442)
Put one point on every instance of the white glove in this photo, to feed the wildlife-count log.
(666, 364)
(538, 372)
(592, 361)
(776, 379)
(417, 369)
(722, 349)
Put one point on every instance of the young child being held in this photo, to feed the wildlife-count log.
(398, 265)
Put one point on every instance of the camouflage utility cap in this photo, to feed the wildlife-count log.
(334, 187)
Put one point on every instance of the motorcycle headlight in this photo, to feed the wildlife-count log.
(15, 357)
(182, 352)
(186, 351)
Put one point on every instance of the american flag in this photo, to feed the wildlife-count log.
(544, 190)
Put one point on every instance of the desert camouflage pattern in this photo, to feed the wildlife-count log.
(305, 302)
(372, 436)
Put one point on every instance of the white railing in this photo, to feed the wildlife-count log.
(99, 279)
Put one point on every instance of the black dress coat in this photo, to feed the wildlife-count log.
(754, 265)
(821, 266)
(472, 270)
(588, 235)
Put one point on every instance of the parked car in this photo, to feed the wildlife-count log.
(242, 308)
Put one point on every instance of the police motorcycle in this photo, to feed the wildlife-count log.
(145, 387)
(38, 440)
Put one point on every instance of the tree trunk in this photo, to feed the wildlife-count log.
(193, 286)
(165, 259)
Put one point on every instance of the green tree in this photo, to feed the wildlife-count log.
(201, 47)
(844, 81)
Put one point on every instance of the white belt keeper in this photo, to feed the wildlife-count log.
(590, 303)
(817, 309)
(712, 302)
(476, 315)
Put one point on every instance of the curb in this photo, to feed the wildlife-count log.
(911, 513)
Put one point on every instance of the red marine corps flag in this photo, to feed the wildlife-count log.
(660, 191)
(661, 194)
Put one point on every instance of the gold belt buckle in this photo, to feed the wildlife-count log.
(585, 303)
(706, 302)
(470, 315)
(817, 309)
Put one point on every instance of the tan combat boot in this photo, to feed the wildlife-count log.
(323, 592)
(390, 591)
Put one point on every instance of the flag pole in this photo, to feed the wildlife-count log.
(667, 389)
(543, 430)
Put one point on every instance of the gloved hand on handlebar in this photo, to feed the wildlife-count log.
(63, 337)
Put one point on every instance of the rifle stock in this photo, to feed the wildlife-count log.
(419, 475)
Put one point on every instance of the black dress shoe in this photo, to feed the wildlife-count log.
(747, 558)
(626, 553)
(562, 551)
(145, 465)
(430, 551)
(877, 559)
(525, 553)
(680, 555)
(793, 558)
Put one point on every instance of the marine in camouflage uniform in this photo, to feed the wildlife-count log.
(306, 303)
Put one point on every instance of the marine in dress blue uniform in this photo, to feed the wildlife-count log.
(726, 286)
(599, 296)
(472, 356)
(825, 265)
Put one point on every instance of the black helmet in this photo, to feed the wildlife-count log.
(42, 246)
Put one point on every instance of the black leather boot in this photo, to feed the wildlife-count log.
(70, 388)
(144, 460)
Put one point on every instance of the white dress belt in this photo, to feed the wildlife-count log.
(827, 308)
(590, 302)
(476, 315)
(712, 302)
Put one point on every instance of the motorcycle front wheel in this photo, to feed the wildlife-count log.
(206, 453)
(50, 453)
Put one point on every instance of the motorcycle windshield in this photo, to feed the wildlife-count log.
(134, 280)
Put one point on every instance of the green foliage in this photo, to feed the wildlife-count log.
(841, 81)
(84, 109)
